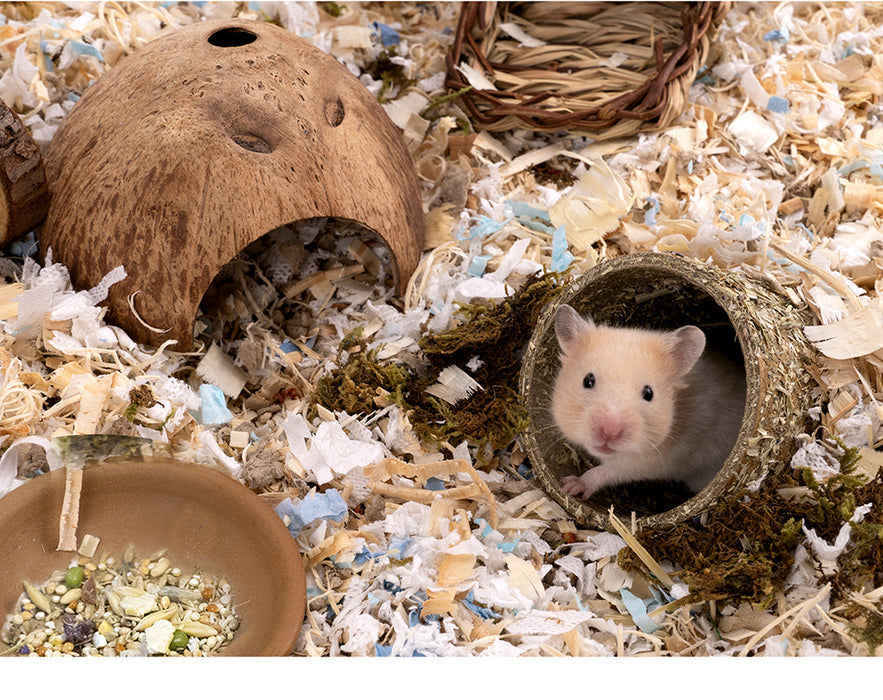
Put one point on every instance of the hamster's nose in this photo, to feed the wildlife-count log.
(610, 429)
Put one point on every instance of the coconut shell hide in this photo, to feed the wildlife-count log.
(742, 316)
(201, 142)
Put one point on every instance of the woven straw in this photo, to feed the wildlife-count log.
(607, 70)
(664, 291)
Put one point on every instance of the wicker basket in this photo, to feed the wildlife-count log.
(606, 70)
(740, 315)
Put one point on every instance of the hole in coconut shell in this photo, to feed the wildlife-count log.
(251, 143)
(230, 37)
(334, 112)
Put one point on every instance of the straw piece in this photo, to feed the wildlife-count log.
(798, 612)
(70, 510)
(642, 553)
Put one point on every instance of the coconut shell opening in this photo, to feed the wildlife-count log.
(744, 318)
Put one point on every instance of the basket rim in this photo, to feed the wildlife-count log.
(644, 104)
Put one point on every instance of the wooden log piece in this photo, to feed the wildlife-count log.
(25, 196)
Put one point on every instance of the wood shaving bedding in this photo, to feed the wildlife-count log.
(773, 169)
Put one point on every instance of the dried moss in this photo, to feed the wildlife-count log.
(332, 8)
(353, 387)
(743, 551)
(495, 333)
(392, 75)
(546, 174)
(867, 629)
(744, 548)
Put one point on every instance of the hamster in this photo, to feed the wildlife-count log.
(646, 404)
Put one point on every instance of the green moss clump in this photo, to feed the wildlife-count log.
(494, 333)
(353, 387)
(744, 548)
(743, 551)
(391, 75)
(332, 8)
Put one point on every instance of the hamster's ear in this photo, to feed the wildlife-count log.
(569, 326)
(687, 344)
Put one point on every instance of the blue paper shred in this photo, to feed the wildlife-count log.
(530, 217)
(638, 610)
(778, 104)
(525, 471)
(24, 247)
(486, 528)
(522, 209)
(213, 409)
(777, 35)
(485, 227)
(705, 77)
(849, 168)
(478, 265)
(561, 257)
(433, 483)
(480, 610)
(399, 544)
(327, 506)
(391, 586)
(875, 167)
(534, 225)
(497, 540)
(84, 49)
(47, 56)
(287, 346)
(362, 556)
(381, 650)
(388, 35)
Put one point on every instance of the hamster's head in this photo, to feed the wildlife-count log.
(617, 387)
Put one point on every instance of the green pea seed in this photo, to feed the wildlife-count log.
(74, 577)
(179, 641)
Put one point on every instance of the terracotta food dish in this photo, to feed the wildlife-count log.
(205, 519)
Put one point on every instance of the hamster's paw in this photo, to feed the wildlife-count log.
(580, 486)
(590, 482)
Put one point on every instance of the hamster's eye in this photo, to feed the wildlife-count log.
(647, 393)
(589, 381)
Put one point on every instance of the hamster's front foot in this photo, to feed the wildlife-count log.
(587, 484)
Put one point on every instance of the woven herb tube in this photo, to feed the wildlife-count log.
(745, 317)
(607, 70)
